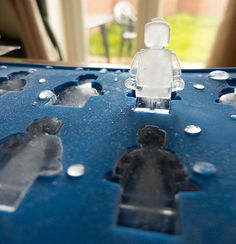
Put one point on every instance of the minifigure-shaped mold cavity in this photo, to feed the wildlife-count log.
(13, 82)
(77, 93)
(228, 96)
(150, 179)
(25, 156)
(155, 71)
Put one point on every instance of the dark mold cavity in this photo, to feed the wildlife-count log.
(97, 86)
(77, 93)
(25, 156)
(174, 95)
(131, 93)
(150, 179)
(13, 82)
(226, 91)
(84, 78)
(231, 81)
(227, 96)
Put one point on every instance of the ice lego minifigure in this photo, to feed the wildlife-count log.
(26, 156)
(155, 71)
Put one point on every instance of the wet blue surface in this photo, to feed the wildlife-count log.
(83, 210)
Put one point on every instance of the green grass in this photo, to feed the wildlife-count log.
(114, 39)
(192, 37)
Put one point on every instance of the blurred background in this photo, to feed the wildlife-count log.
(89, 32)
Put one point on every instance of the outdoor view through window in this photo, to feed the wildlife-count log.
(113, 33)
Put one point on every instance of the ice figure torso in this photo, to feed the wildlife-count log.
(155, 73)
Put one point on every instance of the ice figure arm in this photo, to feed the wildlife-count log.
(178, 82)
(130, 83)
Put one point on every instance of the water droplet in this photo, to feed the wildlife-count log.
(90, 109)
(34, 103)
(118, 72)
(116, 79)
(204, 168)
(192, 129)
(76, 170)
(103, 71)
(112, 122)
(42, 80)
(199, 86)
(46, 94)
(32, 70)
(78, 69)
(3, 67)
(218, 75)
(48, 67)
(233, 116)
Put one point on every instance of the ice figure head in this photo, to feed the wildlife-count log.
(46, 125)
(151, 136)
(157, 33)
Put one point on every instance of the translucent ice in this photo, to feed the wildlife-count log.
(157, 33)
(75, 94)
(155, 72)
(229, 98)
(130, 83)
(150, 179)
(25, 156)
(233, 116)
(13, 82)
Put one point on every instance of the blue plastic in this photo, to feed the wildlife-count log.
(83, 210)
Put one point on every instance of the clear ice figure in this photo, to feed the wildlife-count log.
(26, 156)
(155, 71)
